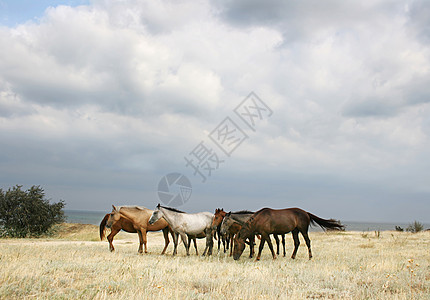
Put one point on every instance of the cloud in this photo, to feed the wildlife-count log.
(117, 93)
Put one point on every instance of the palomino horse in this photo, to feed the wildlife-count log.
(268, 221)
(185, 225)
(133, 219)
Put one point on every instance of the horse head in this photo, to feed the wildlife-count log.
(239, 246)
(114, 217)
(239, 241)
(218, 217)
(156, 215)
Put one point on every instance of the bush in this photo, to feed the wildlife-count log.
(415, 227)
(28, 213)
(398, 228)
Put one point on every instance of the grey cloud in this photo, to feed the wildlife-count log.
(419, 19)
(304, 20)
(369, 108)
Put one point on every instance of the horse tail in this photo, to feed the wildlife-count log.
(330, 224)
(103, 227)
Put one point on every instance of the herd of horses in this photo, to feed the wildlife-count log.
(234, 229)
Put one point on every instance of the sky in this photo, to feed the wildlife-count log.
(322, 105)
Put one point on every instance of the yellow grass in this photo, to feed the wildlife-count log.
(347, 265)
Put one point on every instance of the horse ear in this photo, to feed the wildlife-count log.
(114, 208)
(158, 206)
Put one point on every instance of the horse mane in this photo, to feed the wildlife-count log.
(173, 209)
(131, 207)
(243, 212)
(255, 214)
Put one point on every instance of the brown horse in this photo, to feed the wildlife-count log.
(133, 219)
(229, 227)
(268, 221)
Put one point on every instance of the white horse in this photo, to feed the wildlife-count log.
(184, 224)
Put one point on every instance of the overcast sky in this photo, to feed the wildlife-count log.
(100, 99)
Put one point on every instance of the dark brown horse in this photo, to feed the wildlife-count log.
(268, 221)
(135, 221)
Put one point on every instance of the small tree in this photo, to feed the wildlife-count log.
(415, 227)
(28, 213)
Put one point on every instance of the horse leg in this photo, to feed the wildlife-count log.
(175, 243)
(251, 246)
(206, 249)
(140, 250)
(219, 238)
(184, 239)
(269, 242)
(231, 244)
(223, 242)
(283, 243)
(113, 232)
(260, 249)
(296, 242)
(189, 242)
(308, 243)
(195, 246)
(277, 243)
(144, 239)
(166, 239)
(209, 241)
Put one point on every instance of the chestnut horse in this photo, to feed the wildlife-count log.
(133, 219)
(268, 221)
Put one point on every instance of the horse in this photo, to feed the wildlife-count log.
(232, 223)
(268, 221)
(229, 227)
(133, 219)
(184, 224)
(218, 217)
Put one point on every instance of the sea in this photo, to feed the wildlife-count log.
(95, 217)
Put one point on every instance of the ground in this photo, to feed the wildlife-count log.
(346, 265)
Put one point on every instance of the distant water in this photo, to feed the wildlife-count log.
(95, 217)
(84, 217)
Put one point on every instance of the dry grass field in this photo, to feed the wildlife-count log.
(346, 265)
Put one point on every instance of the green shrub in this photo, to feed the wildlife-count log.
(415, 227)
(28, 213)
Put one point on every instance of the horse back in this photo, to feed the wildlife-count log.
(280, 220)
(139, 217)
